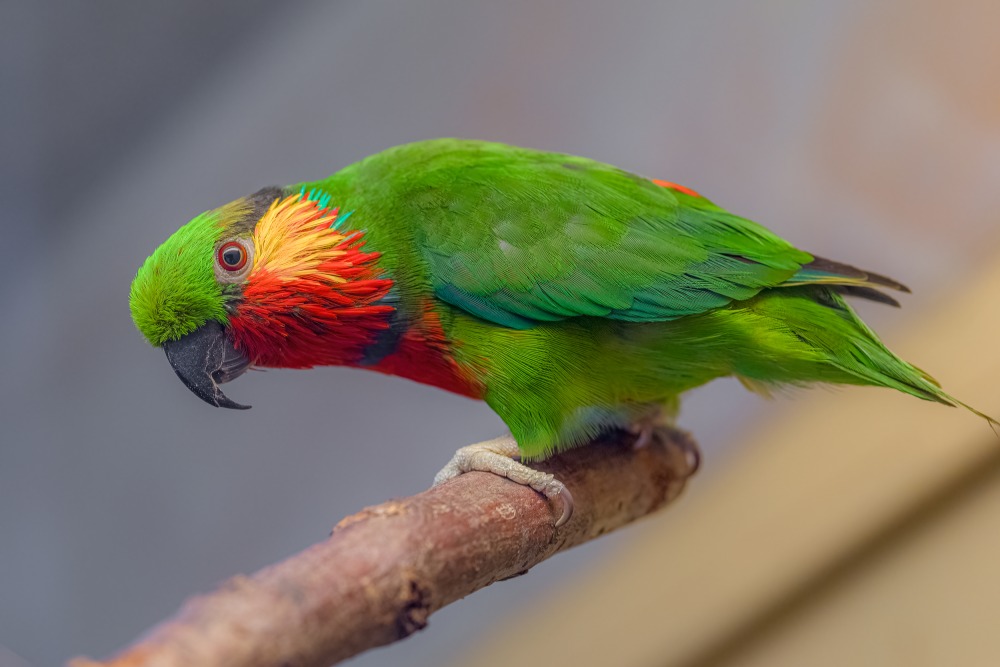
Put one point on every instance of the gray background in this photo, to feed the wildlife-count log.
(120, 493)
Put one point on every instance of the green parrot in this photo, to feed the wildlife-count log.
(570, 295)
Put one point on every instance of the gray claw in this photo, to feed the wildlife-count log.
(567, 507)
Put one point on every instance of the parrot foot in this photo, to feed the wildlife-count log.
(502, 457)
(656, 429)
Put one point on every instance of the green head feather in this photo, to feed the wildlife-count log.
(175, 290)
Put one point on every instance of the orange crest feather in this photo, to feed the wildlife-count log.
(312, 296)
(294, 238)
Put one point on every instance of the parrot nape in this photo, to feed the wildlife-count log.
(572, 296)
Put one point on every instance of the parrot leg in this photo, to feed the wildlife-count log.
(501, 457)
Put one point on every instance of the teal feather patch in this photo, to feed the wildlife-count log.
(316, 195)
(340, 220)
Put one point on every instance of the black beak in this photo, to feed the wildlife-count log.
(204, 359)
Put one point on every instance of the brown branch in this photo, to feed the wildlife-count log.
(384, 570)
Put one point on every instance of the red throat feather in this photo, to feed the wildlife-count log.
(312, 297)
(424, 354)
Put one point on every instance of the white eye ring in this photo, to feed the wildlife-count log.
(233, 260)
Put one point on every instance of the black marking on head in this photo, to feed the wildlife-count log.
(388, 339)
(572, 166)
(260, 201)
(232, 295)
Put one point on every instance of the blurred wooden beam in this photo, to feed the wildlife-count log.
(926, 592)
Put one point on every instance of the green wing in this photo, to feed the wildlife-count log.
(519, 237)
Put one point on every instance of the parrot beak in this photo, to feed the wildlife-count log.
(204, 359)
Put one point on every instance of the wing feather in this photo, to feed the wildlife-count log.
(519, 237)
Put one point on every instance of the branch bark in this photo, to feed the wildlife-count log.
(384, 570)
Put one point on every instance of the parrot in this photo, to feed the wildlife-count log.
(573, 297)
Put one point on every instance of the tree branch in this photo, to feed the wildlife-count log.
(384, 570)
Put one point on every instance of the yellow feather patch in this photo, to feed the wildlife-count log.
(294, 237)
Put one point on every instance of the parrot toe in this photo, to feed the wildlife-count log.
(647, 432)
(500, 457)
(692, 454)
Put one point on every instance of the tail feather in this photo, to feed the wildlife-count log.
(869, 293)
(828, 342)
(822, 271)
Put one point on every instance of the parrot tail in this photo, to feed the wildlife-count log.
(823, 340)
(847, 280)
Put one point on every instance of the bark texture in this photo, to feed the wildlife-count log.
(385, 570)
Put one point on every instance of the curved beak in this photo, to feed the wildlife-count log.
(204, 359)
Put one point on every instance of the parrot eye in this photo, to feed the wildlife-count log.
(233, 260)
(232, 256)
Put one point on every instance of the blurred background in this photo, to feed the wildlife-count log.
(850, 527)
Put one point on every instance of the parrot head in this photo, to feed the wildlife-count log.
(267, 280)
